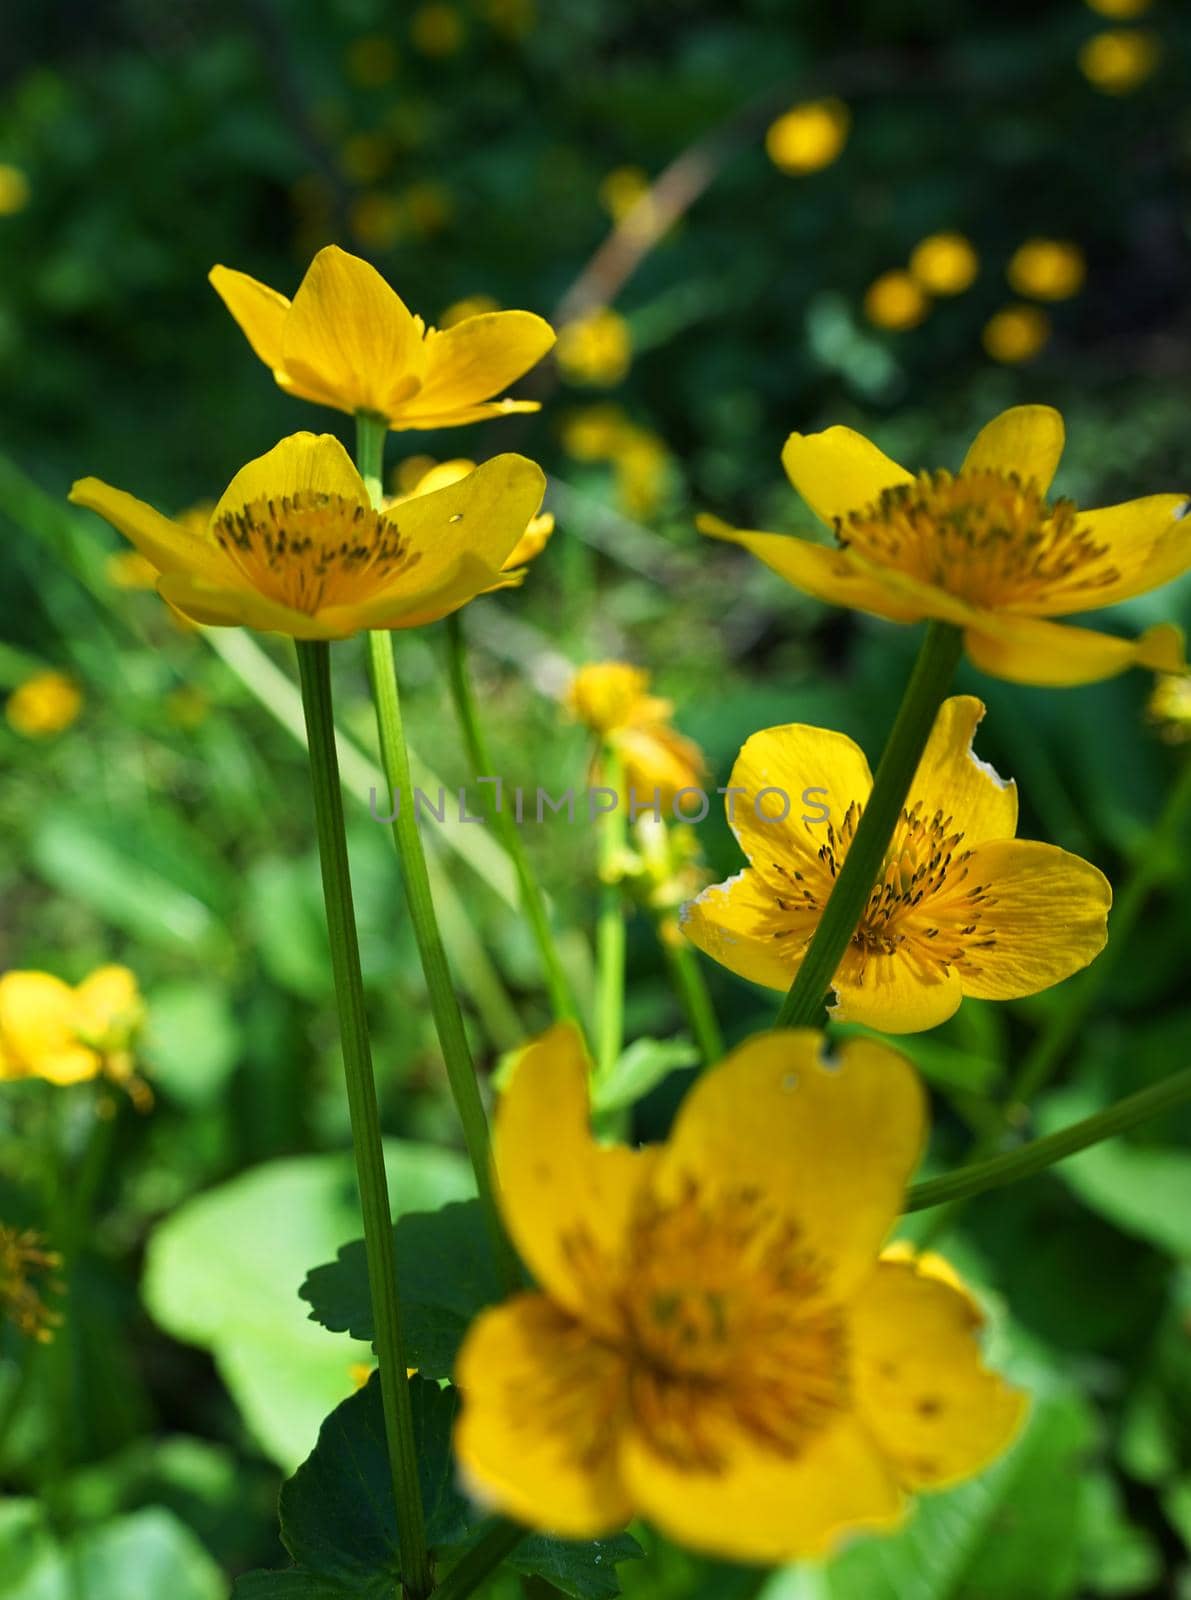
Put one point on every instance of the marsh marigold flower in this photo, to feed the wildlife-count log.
(612, 698)
(532, 542)
(981, 548)
(960, 907)
(808, 137)
(347, 340)
(1015, 334)
(944, 263)
(1119, 60)
(717, 1343)
(68, 1035)
(295, 546)
(895, 301)
(595, 349)
(45, 704)
(1047, 269)
(1170, 707)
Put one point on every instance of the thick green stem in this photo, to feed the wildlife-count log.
(610, 930)
(687, 978)
(1042, 1153)
(314, 663)
(499, 1538)
(929, 681)
(532, 901)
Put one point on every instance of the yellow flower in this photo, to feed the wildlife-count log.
(595, 433)
(1016, 333)
(982, 548)
(1118, 60)
(1170, 707)
(895, 301)
(809, 136)
(1120, 10)
(472, 305)
(49, 1030)
(1047, 269)
(14, 190)
(960, 907)
(437, 30)
(595, 348)
(944, 263)
(47, 703)
(612, 699)
(531, 543)
(347, 341)
(23, 1256)
(717, 1343)
(294, 546)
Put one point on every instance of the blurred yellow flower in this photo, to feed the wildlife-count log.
(1120, 10)
(371, 60)
(612, 698)
(1170, 707)
(49, 1030)
(348, 341)
(1016, 333)
(944, 263)
(377, 220)
(23, 1259)
(717, 1342)
(622, 189)
(960, 906)
(594, 433)
(14, 190)
(809, 136)
(295, 546)
(45, 704)
(514, 18)
(1047, 269)
(595, 349)
(895, 301)
(438, 475)
(640, 460)
(437, 30)
(472, 305)
(1119, 60)
(365, 157)
(429, 207)
(982, 549)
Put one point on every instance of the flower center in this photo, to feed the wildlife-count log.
(723, 1320)
(311, 550)
(983, 536)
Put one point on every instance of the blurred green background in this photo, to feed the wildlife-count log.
(484, 149)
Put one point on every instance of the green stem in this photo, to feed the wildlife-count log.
(314, 662)
(929, 681)
(532, 901)
(687, 976)
(499, 1538)
(1042, 1153)
(610, 930)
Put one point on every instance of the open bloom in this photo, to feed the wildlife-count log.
(45, 704)
(717, 1343)
(613, 699)
(982, 549)
(67, 1035)
(960, 906)
(295, 545)
(347, 340)
(531, 543)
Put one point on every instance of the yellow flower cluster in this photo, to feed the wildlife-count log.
(943, 264)
(639, 458)
(595, 349)
(69, 1035)
(612, 699)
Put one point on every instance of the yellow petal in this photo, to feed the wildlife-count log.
(463, 581)
(894, 992)
(566, 1200)
(1047, 911)
(1148, 543)
(260, 311)
(106, 1002)
(37, 1017)
(477, 358)
(349, 340)
(740, 925)
(759, 1505)
(220, 606)
(829, 575)
(937, 1413)
(302, 463)
(830, 1144)
(442, 474)
(167, 545)
(483, 412)
(1027, 440)
(838, 471)
(542, 1406)
(1052, 655)
(952, 779)
(808, 769)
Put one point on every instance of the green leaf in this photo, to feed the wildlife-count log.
(640, 1068)
(585, 1571)
(192, 1041)
(446, 1275)
(223, 1272)
(146, 1554)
